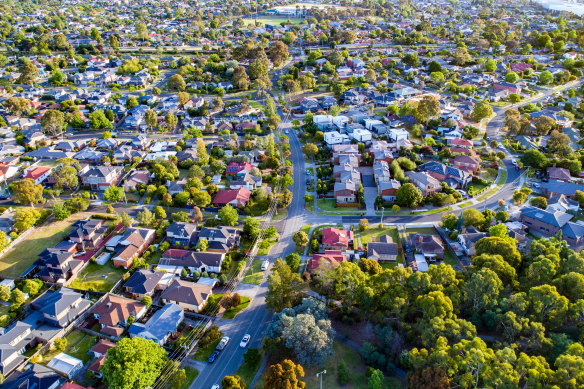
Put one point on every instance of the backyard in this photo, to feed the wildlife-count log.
(22, 256)
(99, 278)
(78, 345)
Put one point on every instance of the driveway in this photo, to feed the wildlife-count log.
(370, 194)
(367, 181)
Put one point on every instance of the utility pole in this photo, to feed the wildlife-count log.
(320, 375)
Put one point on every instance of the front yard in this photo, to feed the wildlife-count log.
(98, 278)
(331, 205)
(254, 275)
(231, 313)
(22, 256)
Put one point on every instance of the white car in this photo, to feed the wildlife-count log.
(216, 386)
(245, 341)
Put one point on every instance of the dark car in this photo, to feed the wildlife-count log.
(213, 356)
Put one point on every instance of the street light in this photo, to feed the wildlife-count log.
(320, 375)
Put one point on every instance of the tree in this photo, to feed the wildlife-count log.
(285, 375)
(499, 246)
(32, 286)
(535, 159)
(53, 121)
(151, 119)
(545, 77)
(171, 121)
(284, 287)
(202, 244)
(514, 98)
(178, 379)
(57, 78)
(113, 193)
(240, 78)
(133, 363)
(428, 108)
(293, 261)
(141, 31)
(511, 77)
(461, 56)
(375, 380)
(310, 150)
(65, 173)
(16, 105)
(233, 382)
(159, 213)
(146, 218)
(25, 218)
(60, 344)
(251, 227)
(482, 290)
(131, 102)
(539, 202)
(228, 215)
(559, 143)
(343, 374)
(26, 192)
(549, 307)
(60, 211)
(490, 65)
(428, 378)
(502, 216)
(408, 195)
(176, 82)
(28, 73)
(17, 297)
(183, 98)
(544, 124)
(202, 155)
(146, 300)
(300, 238)
(579, 197)
(472, 217)
(449, 221)
(278, 52)
(98, 120)
(202, 198)
(481, 110)
(4, 293)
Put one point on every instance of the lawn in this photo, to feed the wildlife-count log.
(437, 210)
(502, 178)
(231, 313)
(212, 301)
(22, 256)
(426, 230)
(488, 194)
(356, 367)
(78, 344)
(281, 215)
(466, 204)
(309, 206)
(473, 189)
(367, 235)
(191, 375)
(449, 258)
(254, 275)
(202, 354)
(331, 205)
(248, 371)
(98, 278)
(265, 246)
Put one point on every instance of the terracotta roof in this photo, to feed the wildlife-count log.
(36, 172)
(187, 292)
(114, 310)
(229, 195)
(333, 257)
(336, 237)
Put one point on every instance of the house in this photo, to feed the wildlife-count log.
(546, 223)
(160, 326)
(335, 138)
(181, 233)
(113, 313)
(453, 176)
(55, 265)
(235, 197)
(562, 203)
(66, 364)
(428, 245)
(88, 233)
(388, 189)
(38, 174)
(336, 239)
(61, 307)
(466, 163)
(220, 239)
(188, 295)
(248, 182)
(13, 343)
(554, 187)
(102, 177)
(136, 179)
(331, 257)
(425, 182)
(131, 245)
(468, 240)
(175, 260)
(345, 192)
(559, 174)
(101, 347)
(383, 251)
(506, 86)
(36, 376)
(238, 169)
(144, 282)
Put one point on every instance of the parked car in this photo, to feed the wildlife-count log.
(265, 265)
(223, 343)
(245, 341)
(213, 356)
(216, 386)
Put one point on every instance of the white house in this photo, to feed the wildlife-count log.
(361, 135)
(322, 121)
(396, 134)
(335, 138)
(369, 123)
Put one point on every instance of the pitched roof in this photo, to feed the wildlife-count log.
(143, 281)
(556, 219)
(334, 236)
(115, 309)
(187, 292)
(226, 196)
(333, 257)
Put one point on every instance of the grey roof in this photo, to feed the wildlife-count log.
(163, 321)
(182, 229)
(37, 377)
(573, 230)
(556, 219)
(53, 303)
(567, 188)
(143, 281)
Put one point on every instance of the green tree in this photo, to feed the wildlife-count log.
(98, 120)
(133, 363)
(28, 73)
(375, 380)
(428, 108)
(408, 195)
(16, 105)
(159, 213)
(25, 218)
(53, 121)
(300, 238)
(151, 119)
(26, 192)
(171, 121)
(57, 78)
(233, 382)
(481, 110)
(176, 82)
(113, 193)
(228, 215)
(284, 287)
(60, 211)
(146, 300)
(146, 218)
(545, 77)
(293, 261)
(511, 77)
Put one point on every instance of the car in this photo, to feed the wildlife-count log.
(535, 185)
(213, 356)
(245, 341)
(216, 386)
(308, 172)
(514, 162)
(69, 134)
(265, 265)
(223, 342)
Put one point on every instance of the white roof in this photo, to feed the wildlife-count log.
(64, 363)
(421, 262)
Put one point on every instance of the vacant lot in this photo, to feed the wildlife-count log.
(98, 278)
(21, 257)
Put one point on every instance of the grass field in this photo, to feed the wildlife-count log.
(356, 367)
(78, 344)
(282, 214)
(248, 371)
(502, 178)
(475, 188)
(465, 204)
(98, 278)
(21, 257)
(202, 354)
(331, 205)
(449, 258)
(254, 275)
(231, 313)
(191, 375)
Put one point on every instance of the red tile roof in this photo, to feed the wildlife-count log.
(336, 237)
(333, 257)
(242, 196)
(36, 172)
